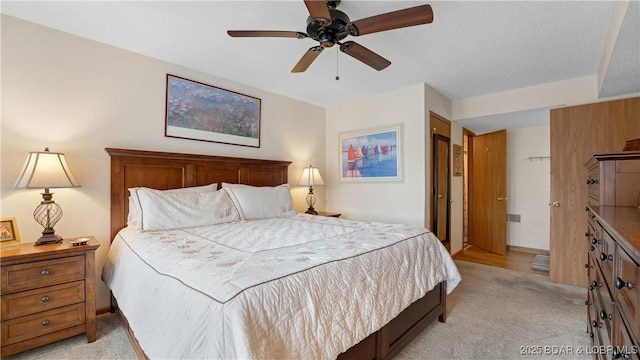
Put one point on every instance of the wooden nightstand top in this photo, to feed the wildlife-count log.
(28, 250)
(330, 214)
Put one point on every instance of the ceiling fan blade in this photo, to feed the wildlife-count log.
(318, 11)
(266, 33)
(307, 59)
(418, 15)
(365, 55)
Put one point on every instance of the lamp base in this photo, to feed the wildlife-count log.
(48, 237)
(311, 211)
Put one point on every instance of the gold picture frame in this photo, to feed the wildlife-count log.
(9, 233)
(457, 160)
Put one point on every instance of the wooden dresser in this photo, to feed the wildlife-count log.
(613, 235)
(48, 294)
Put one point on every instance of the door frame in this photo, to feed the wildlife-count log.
(434, 202)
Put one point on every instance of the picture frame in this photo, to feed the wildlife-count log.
(9, 233)
(458, 160)
(371, 154)
(198, 111)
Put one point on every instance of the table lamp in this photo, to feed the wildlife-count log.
(310, 177)
(46, 170)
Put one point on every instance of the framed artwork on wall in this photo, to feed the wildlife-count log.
(457, 160)
(9, 233)
(203, 112)
(371, 155)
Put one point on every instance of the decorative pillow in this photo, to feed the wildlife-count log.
(261, 202)
(134, 217)
(163, 210)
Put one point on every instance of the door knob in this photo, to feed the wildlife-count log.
(500, 198)
(440, 196)
(556, 204)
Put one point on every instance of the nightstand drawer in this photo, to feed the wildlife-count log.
(41, 273)
(34, 301)
(31, 326)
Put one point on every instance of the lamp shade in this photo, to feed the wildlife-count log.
(310, 177)
(46, 170)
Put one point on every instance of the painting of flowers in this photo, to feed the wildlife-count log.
(203, 112)
(374, 154)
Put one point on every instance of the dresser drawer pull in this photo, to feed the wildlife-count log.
(621, 283)
(596, 324)
(594, 285)
(45, 299)
(604, 315)
(45, 272)
(617, 354)
(592, 247)
(605, 257)
(594, 241)
(46, 323)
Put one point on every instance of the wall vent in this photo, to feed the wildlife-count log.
(514, 218)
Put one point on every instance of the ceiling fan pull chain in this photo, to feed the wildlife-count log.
(337, 53)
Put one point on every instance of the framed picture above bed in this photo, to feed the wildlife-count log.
(198, 111)
(371, 155)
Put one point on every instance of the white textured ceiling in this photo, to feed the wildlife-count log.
(471, 48)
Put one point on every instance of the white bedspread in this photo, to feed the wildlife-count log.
(306, 287)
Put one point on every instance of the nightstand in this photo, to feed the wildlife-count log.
(329, 214)
(48, 294)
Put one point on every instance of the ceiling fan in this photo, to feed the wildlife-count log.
(329, 26)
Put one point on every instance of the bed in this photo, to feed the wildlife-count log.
(257, 286)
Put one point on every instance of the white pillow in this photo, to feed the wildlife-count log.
(164, 210)
(134, 217)
(260, 202)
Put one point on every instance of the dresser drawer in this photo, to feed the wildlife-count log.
(622, 340)
(37, 274)
(34, 301)
(626, 294)
(606, 257)
(31, 326)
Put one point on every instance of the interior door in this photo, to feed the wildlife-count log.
(441, 191)
(488, 197)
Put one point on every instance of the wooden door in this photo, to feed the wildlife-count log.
(488, 197)
(441, 190)
(576, 133)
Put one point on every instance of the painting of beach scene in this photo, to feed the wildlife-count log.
(199, 111)
(374, 154)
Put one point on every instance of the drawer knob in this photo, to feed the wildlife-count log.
(45, 272)
(46, 323)
(617, 354)
(621, 284)
(604, 315)
(592, 247)
(596, 324)
(586, 302)
(594, 241)
(45, 299)
(605, 257)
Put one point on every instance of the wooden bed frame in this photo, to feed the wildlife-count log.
(162, 170)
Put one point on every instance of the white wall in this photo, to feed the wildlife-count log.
(382, 201)
(529, 187)
(78, 96)
(406, 201)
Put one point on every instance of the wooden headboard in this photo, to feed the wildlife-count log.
(163, 170)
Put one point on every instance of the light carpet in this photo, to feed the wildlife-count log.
(493, 314)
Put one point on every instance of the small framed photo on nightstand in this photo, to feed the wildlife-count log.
(9, 233)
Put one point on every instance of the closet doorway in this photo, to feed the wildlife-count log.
(440, 222)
